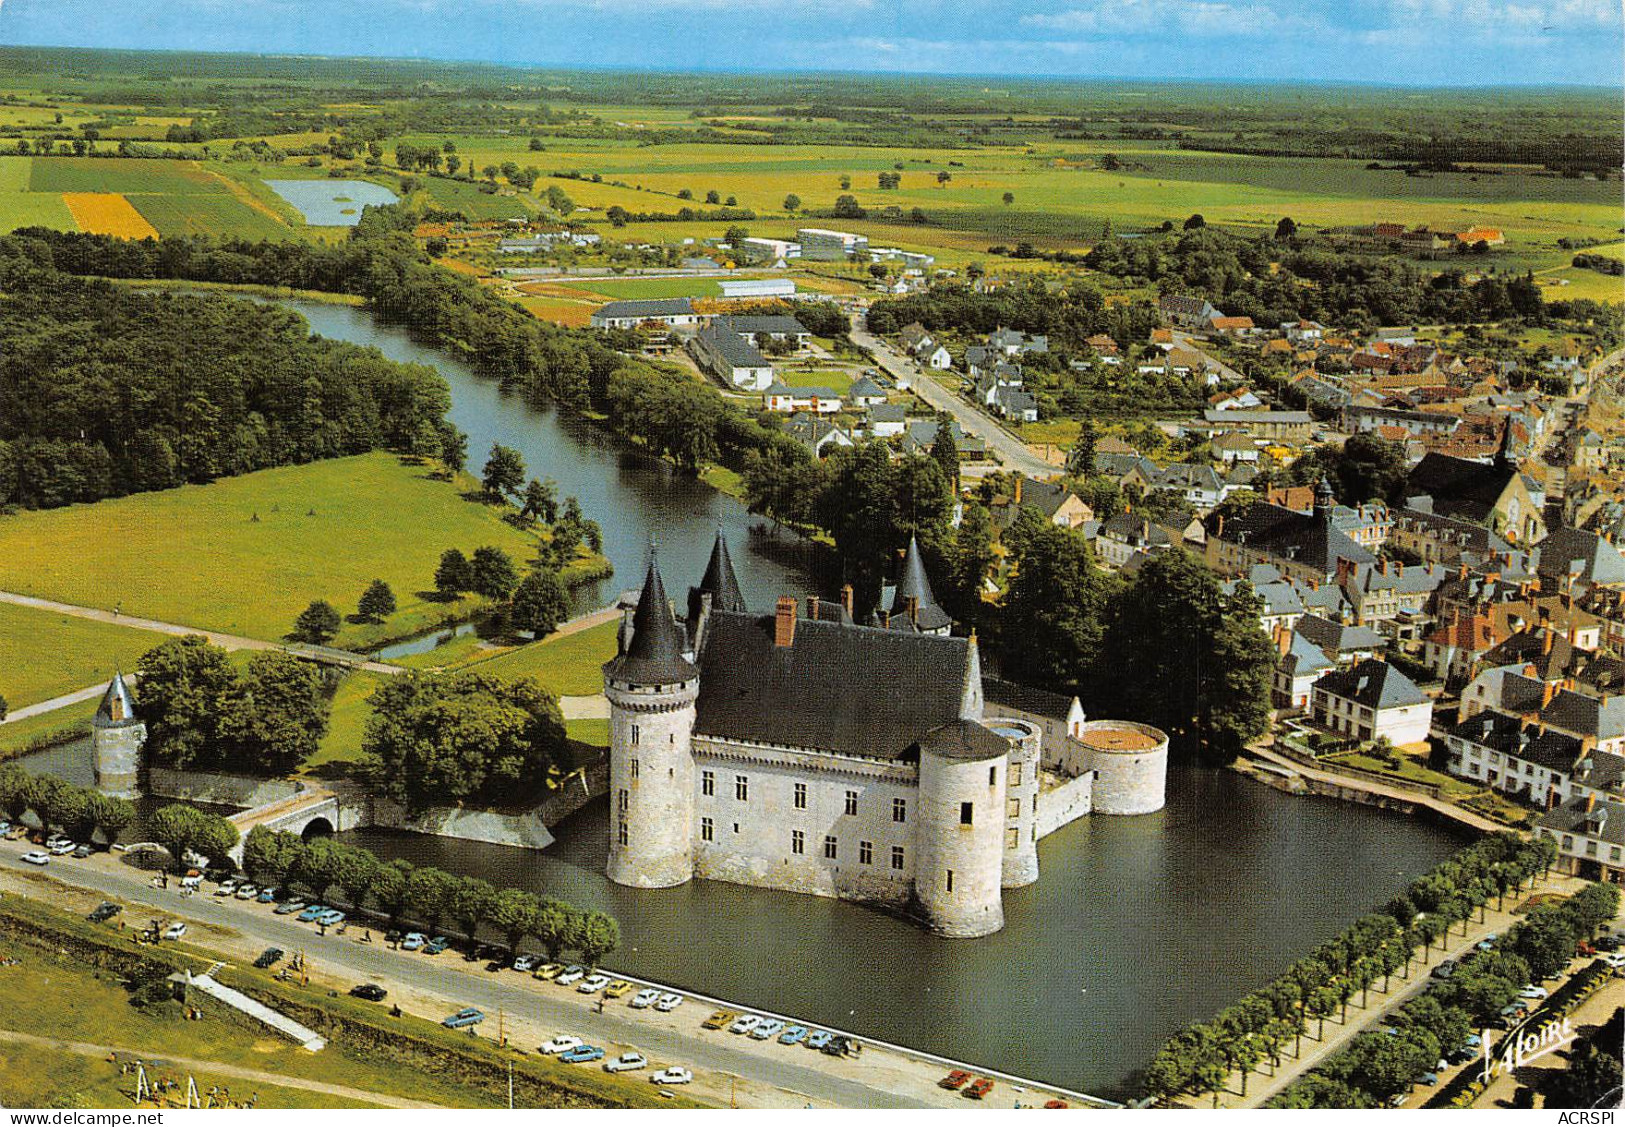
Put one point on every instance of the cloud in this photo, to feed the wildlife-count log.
(1159, 17)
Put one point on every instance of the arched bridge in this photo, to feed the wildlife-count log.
(315, 811)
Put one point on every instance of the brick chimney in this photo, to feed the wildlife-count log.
(1547, 693)
(1546, 643)
(812, 607)
(1017, 493)
(784, 622)
(846, 598)
(1283, 639)
(911, 607)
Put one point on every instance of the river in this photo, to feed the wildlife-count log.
(1136, 927)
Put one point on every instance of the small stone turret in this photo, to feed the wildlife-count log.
(1021, 800)
(652, 687)
(959, 835)
(117, 737)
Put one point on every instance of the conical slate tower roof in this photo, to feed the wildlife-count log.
(720, 582)
(655, 654)
(913, 583)
(117, 709)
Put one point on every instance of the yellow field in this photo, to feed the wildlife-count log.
(107, 213)
(574, 314)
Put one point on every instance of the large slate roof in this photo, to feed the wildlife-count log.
(846, 689)
(1024, 698)
(1511, 736)
(1460, 488)
(1307, 538)
(1570, 551)
(1374, 684)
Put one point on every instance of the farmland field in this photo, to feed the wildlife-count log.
(209, 215)
(112, 174)
(245, 555)
(107, 213)
(48, 654)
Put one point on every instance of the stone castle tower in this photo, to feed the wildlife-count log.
(652, 689)
(117, 737)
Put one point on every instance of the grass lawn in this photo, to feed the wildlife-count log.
(346, 721)
(245, 555)
(19, 736)
(49, 654)
(1409, 770)
(835, 379)
(570, 666)
(588, 731)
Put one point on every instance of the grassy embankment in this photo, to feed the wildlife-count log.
(48, 654)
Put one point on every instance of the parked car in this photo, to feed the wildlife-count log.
(955, 1080)
(1534, 993)
(269, 958)
(1488, 942)
(770, 1028)
(1445, 969)
(818, 1038)
(289, 907)
(247, 891)
(330, 918)
(104, 911)
(676, 1074)
(668, 1002)
(979, 1088)
(570, 975)
(524, 964)
(310, 913)
(225, 888)
(62, 848)
(81, 851)
(36, 857)
(717, 1020)
(549, 971)
(175, 931)
(266, 896)
(1513, 1013)
(1606, 943)
(793, 1035)
(646, 998)
(627, 1062)
(436, 945)
(563, 1043)
(583, 1054)
(370, 992)
(1615, 959)
(1058, 1104)
(840, 1046)
(620, 988)
(593, 983)
(5, 826)
(414, 941)
(462, 1019)
(745, 1024)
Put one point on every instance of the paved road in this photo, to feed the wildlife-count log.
(281, 1080)
(449, 986)
(1009, 449)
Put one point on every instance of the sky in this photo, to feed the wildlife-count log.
(1400, 42)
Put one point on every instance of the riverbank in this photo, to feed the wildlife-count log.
(239, 289)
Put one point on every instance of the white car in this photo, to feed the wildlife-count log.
(668, 1002)
(676, 1074)
(594, 984)
(1615, 959)
(524, 964)
(644, 999)
(570, 975)
(772, 1027)
(35, 857)
(745, 1024)
(175, 931)
(563, 1043)
(246, 892)
(226, 888)
(1534, 993)
(626, 1062)
(62, 848)
(414, 941)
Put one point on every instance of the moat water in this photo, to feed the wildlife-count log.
(1136, 926)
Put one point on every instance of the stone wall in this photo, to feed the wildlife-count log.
(1130, 762)
(593, 782)
(224, 790)
(525, 830)
(1065, 803)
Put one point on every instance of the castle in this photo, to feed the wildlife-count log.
(804, 751)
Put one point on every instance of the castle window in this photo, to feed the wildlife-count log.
(741, 788)
(634, 768)
(634, 735)
(897, 856)
(1035, 804)
(798, 842)
(801, 796)
(950, 880)
(993, 776)
(1013, 837)
(1015, 775)
(831, 848)
(899, 810)
(866, 852)
(1015, 808)
(620, 834)
(708, 830)
(965, 813)
(623, 799)
(851, 802)
(708, 783)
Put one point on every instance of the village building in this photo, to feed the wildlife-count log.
(1372, 701)
(731, 357)
(672, 312)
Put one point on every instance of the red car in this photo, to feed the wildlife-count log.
(979, 1088)
(1057, 1104)
(954, 1080)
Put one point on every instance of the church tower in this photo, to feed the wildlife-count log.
(117, 736)
(652, 689)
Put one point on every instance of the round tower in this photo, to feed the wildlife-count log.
(652, 689)
(1021, 800)
(117, 736)
(1130, 762)
(960, 833)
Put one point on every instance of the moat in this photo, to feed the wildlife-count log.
(1136, 926)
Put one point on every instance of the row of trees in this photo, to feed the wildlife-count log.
(204, 713)
(427, 895)
(78, 812)
(184, 830)
(1376, 947)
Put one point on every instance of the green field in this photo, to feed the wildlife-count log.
(48, 654)
(245, 555)
(114, 174)
(568, 666)
(207, 215)
(626, 289)
(836, 379)
(345, 723)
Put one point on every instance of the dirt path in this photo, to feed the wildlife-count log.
(278, 1079)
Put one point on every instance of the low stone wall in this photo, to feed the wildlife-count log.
(591, 783)
(223, 790)
(1065, 804)
(526, 830)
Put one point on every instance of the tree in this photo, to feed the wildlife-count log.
(555, 925)
(1080, 460)
(13, 791)
(280, 717)
(597, 934)
(188, 688)
(1009, 198)
(792, 202)
(1545, 940)
(268, 855)
(318, 867)
(357, 868)
(846, 207)
(1286, 230)
(504, 472)
(470, 904)
(377, 602)
(491, 573)
(183, 829)
(317, 623)
(4, 707)
(453, 576)
(540, 603)
(1195, 222)
(110, 815)
(430, 893)
(540, 502)
(845, 182)
(514, 913)
(713, 197)
(945, 451)
(1056, 604)
(391, 888)
(943, 177)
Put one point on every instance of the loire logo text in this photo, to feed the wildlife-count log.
(1525, 1047)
